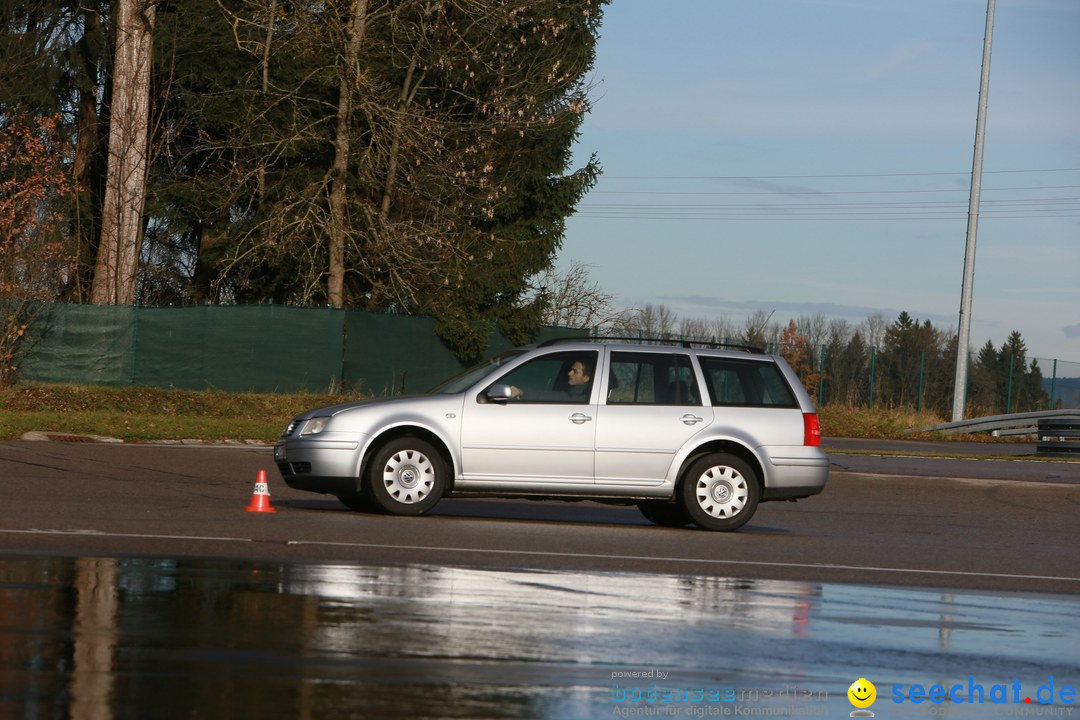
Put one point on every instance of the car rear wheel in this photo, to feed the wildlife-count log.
(663, 513)
(720, 492)
(407, 477)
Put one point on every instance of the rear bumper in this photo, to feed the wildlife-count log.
(791, 493)
(795, 472)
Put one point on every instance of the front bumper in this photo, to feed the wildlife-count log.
(319, 464)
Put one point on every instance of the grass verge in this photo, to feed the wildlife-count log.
(152, 414)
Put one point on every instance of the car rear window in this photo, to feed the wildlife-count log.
(746, 383)
(638, 378)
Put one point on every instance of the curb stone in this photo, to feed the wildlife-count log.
(35, 436)
(38, 436)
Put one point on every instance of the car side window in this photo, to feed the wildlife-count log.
(562, 377)
(746, 383)
(652, 379)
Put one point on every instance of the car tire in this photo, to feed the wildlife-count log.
(407, 477)
(664, 513)
(720, 492)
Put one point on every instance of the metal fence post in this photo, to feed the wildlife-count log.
(1008, 397)
(1053, 385)
(344, 347)
(873, 358)
(133, 349)
(821, 379)
(922, 371)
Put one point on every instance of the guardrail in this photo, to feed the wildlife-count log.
(1059, 436)
(1016, 424)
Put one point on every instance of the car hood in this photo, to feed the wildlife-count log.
(412, 401)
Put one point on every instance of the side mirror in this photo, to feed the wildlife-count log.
(499, 392)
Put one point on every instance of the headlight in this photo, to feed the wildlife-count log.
(314, 426)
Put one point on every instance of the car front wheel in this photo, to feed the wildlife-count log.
(407, 477)
(720, 492)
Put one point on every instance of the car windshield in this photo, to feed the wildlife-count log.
(464, 380)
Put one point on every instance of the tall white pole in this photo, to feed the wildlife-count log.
(964, 338)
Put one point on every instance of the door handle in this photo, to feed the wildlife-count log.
(691, 419)
(579, 418)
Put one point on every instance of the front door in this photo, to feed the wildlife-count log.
(545, 434)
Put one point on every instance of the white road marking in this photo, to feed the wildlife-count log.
(542, 553)
(98, 533)
(754, 563)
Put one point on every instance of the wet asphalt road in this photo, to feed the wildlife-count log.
(134, 584)
(103, 638)
(981, 524)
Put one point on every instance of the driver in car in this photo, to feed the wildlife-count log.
(578, 377)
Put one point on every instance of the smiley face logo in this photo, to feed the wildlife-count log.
(862, 694)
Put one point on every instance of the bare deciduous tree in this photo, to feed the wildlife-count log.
(759, 331)
(874, 328)
(117, 262)
(573, 299)
(657, 322)
(813, 328)
(357, 21)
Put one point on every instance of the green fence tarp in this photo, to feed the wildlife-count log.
(80, 344)
(246, 348)
(392, 355)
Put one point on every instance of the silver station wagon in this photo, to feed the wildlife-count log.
(689, 433)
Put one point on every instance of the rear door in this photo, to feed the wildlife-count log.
(751, 396)
(653, 407)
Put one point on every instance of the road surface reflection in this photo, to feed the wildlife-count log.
(192, 638)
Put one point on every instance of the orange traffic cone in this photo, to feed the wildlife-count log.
(260, 498)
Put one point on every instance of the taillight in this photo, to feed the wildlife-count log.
(811, 430)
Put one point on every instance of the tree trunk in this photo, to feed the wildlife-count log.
(125, 190)
(86, 165)
(340, 172)
(261, 174)
(408, 93)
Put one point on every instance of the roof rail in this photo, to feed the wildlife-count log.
(665, 341)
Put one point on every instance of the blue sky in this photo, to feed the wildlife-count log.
(805, 156)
